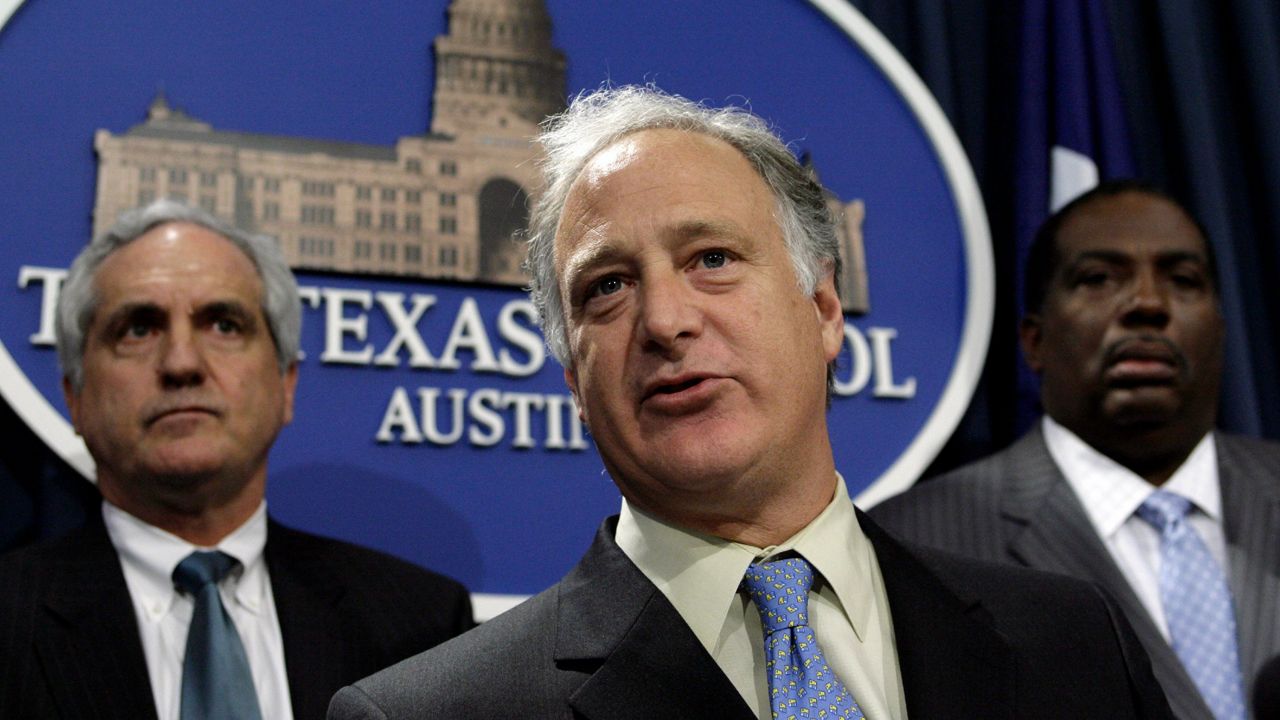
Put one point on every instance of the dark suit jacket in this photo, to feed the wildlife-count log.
(974, 641)
(69, 644)
(1017, 507)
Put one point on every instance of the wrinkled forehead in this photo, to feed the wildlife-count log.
(180, 258)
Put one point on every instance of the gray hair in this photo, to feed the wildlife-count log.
(77, 301)
(595, 120)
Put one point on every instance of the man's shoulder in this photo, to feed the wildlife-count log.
(457, 677)
(1233, 447)
(976, 487)
(304, 550)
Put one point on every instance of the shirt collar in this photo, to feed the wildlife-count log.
(151, 554)
(1111, 492)
(700, 574)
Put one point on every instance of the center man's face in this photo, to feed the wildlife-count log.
(181, 381)
(698, 364)
(1130, 336)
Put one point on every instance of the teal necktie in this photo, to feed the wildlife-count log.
(800, 683)
(216, 682)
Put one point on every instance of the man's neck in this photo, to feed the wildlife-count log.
(200, 520)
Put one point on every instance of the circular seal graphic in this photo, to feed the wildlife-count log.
(387, 147)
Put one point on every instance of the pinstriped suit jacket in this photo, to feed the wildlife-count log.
(69, 645)
(1017, 507)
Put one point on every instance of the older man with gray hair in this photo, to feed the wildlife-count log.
(178, 337)
(683, 264)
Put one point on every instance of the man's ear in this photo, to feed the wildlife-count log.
(571, 380)
(826, 302)
(1030, 335)
(72, 398)
(290, 385)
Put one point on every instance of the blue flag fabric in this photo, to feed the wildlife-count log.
(1071, 129)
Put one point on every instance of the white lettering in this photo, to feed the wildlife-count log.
(468, 333)
(429, 424)
(51, 283)
(523, 402)
(406, 330)
(399, 415)
(338, 325)
(522, 337)
(885, 387)
(481, 405)
(860, 363)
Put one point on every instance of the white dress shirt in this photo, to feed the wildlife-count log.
(848, 607)
(149, 555)
(1112, 493)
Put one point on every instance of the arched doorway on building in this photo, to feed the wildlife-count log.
(504, 210)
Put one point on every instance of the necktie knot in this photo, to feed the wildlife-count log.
(1164, 509)
(201, 568)
(780, 590)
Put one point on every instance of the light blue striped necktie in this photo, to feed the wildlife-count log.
(801, 685)
(216, 681)
(1197, 606)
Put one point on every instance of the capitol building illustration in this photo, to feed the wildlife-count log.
(443, 205)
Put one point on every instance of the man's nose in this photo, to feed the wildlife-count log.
(669, 312)
(1148, 303)
(181, 358)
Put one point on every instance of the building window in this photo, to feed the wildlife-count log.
(363, 250)
(208, 179)
(448, 256)
(448, 167)
(317, 189)
(413, 196)
(244, 183)
(271, 184)
(388, 194)
(413, 222)
(414, 166)
(177, 176)
(364, 192)
(146, 196)
(448, 226)
(413, 254)
(147, 174)
(448, 199)
(387, 252)
(315, 247)
(364, 218)
(317, 215)
(270, 211)
(387, 221)
(208, 203)
(178, 197)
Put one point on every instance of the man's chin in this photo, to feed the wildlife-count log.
(1143, 408)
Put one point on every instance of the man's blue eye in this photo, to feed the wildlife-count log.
(608, 286)
(714, 259)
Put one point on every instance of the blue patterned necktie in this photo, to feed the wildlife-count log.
(216, 682)
(801, 685)
(1197, 606)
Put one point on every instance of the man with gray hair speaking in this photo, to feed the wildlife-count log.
(683, 266)
(178, 338)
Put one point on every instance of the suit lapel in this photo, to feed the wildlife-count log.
(952, 663)
(643, 659)
(1251, 516)
(1052, 532)
(89, 648)
(306, 605)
